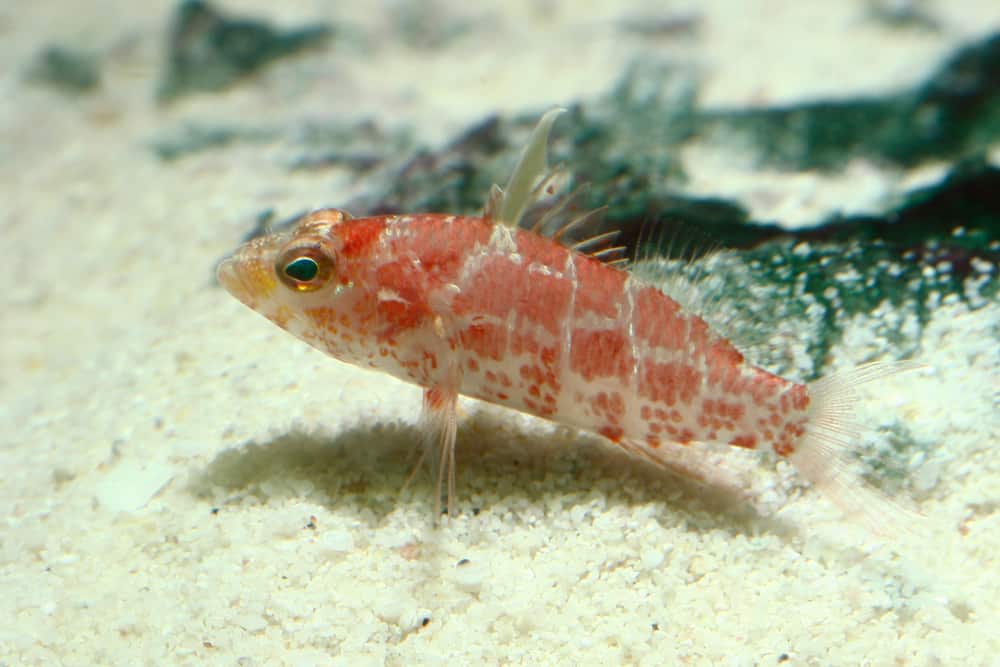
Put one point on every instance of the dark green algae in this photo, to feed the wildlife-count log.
(209, 50)
(67, 69)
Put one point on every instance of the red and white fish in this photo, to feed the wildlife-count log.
(481, 307)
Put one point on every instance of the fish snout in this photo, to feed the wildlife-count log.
(232, 276)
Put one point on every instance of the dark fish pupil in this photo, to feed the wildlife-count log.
(302, 269)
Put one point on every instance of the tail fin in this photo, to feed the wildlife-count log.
(832, 433)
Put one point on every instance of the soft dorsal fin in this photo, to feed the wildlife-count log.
(531, 181)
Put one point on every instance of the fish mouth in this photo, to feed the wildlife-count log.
(247, 277)
(229, 276)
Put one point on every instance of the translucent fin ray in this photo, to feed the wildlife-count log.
(594, 243)
(440, 422)
(822, 454)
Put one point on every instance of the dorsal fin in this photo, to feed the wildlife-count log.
(508, 205)
(531, 182)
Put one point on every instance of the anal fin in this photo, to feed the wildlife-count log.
(692, 463)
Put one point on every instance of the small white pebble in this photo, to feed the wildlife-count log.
(651, 558)
(337, 541)
(926, 477)
(577, 514)
(469, 576)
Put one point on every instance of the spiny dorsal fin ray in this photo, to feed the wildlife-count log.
(528, 201)
(551, 217)
(516, 197)
(593, 243)
(493, 201)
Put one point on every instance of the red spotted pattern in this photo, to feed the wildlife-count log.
(517, 319)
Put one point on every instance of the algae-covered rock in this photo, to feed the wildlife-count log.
(208, 50)
(954, 113)
(627, 145)
(66, 69)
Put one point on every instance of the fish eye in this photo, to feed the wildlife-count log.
(302, 269)
(305, 269)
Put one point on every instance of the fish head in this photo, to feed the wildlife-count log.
(299, 279)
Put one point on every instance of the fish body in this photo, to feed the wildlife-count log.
(514, 318)
(478, 306)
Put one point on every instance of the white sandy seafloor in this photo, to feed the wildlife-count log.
(183, 483)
